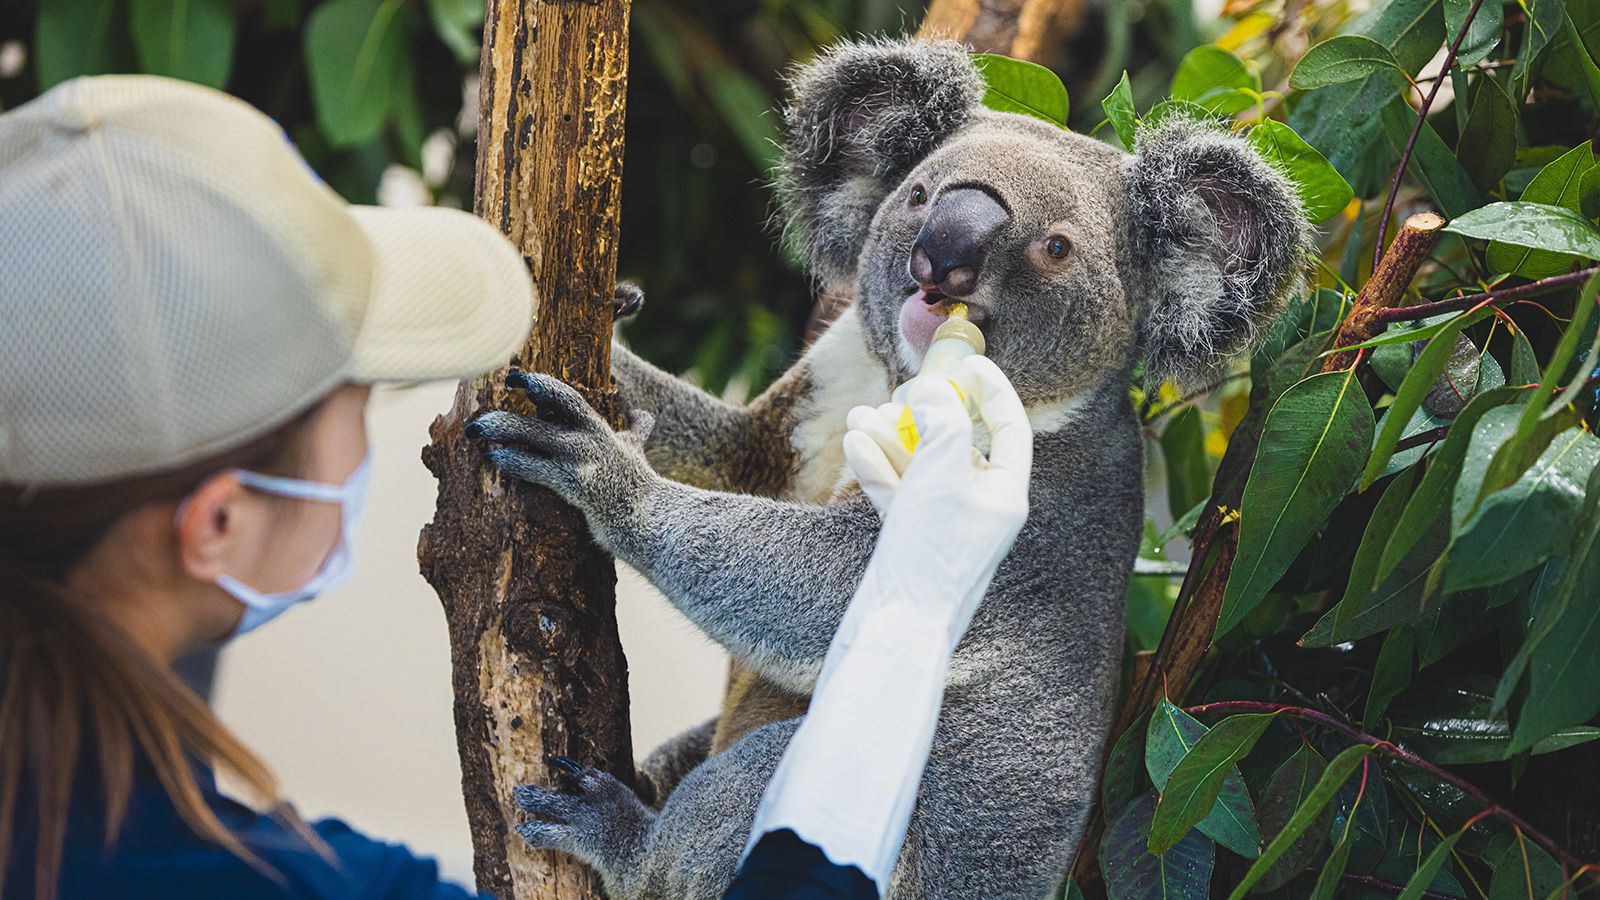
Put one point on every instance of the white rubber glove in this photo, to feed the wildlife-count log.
(849, 778)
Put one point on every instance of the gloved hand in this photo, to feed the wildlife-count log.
(987, 495)
(848, 780)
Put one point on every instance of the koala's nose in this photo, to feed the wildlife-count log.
(950, 248)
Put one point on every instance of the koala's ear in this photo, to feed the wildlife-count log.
(862, 115)
(1218, 239)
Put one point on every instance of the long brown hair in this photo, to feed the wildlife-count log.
(74, 683)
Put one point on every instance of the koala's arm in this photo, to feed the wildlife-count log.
(703, 440)
(766, 579)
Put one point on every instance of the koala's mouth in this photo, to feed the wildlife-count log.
(923, 310)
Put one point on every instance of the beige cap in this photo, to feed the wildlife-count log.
(175, 281)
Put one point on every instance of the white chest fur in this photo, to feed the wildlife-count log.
(843, 375)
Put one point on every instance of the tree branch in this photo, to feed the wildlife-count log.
(1386, 288)
(1411, 142)
(1531, 289)
(1490, 806)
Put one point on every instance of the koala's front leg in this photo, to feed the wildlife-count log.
(704, 440)
(768, 580)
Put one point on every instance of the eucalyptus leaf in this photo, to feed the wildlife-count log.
(188, 39)
(1413, 390)
(1118, 107)
(1546, 20)
(354, 53)
(1019, 86)
(1131, 872)
(1314, 443)
(1524, 870)
(1422, 879)
(1195, 783)
(1432, 163)
(1207, 69)
(1483, 35)
(1343, 59)
(1286, 791)
(1488, 144)
(1168, 738)
(1558, 184)
(1307, 814)
(77, 37)
(459, 24)
(1538, 225)
(1323, 191)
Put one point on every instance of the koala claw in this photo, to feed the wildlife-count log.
(568, 765)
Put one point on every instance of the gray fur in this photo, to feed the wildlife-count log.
(1179, 251)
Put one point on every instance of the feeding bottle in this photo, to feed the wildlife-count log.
(955, 339)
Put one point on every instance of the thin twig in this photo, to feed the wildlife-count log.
(1378, 884)
(1411, 142)
(1533, 288)
(1420, 438)
(1490, 806)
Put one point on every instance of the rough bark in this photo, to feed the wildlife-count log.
(537, 667)
(1026, 29)
(1386, 288)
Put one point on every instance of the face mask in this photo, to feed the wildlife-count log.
(261, 608)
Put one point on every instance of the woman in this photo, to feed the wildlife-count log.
(192, 324)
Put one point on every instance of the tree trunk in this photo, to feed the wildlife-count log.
(536, 663)
(1034, 30)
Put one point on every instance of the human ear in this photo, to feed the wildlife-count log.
(210, 527)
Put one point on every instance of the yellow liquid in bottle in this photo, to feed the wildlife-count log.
(954, 340)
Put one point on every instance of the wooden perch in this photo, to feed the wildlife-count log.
(1386, 288)
(537, 667)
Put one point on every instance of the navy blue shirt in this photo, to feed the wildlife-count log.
(157, 857)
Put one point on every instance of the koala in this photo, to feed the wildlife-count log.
(1076, 260)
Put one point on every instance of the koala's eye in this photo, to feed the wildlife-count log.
(1057, 246)
(919, 195)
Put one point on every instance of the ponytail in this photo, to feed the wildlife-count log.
(78, 695)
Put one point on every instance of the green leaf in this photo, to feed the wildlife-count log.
(1524, 365)
(1517, 527)
(1315, 441)
(1018, 86)
(1286, 791)
(1412, 29)
(1168, 108)
(1118, 107)
(188, 39)
(1124, 773)
(76, 37)
(1484, 34)
(1215, 79)
(1432, 162)
(354, 50)
(1343, 59)
(1589, 193)
(1488, 144)
(1364, 569)
(1546, 20)
(1189, 470)
(1586, 65)
(1559, 184)
(1413, 390)
(1333, 870)
(1537, 225)
(1195, 784)
(1131, 872)
(1323, 191)
(745, 107)
(1562, 651)
(1169, 737)
(459, 24)
(1524, 870)
(1423, 877)
(1367, 804)
(1390, 673)
(1455, 725)
(1432, 499)
(1308, 813)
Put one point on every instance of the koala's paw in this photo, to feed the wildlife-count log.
(598, 819)
(627, 301)
(567, 447)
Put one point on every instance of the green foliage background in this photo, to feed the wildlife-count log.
(1416, 594)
